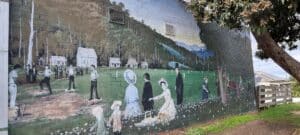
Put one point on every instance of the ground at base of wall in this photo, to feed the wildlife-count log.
(279, 120)
(259, 127)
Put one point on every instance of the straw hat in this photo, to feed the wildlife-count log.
(115, 104)
(130, 76)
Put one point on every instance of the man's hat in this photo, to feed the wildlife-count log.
(176, 65)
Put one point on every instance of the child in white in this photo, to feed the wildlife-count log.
(131, 96)
(12, 87)
(115, 118)
(98, 113)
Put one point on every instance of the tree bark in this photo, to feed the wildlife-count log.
(278, 54)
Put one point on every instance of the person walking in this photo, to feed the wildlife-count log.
(71, 75)
(46, 80)
(94, 76)
(205, 91)
(179, 85)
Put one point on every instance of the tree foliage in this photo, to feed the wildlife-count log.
(295, 88)
(280, 18)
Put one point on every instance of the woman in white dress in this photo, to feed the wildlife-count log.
(132, 108)
(12, 87)
(166, 113)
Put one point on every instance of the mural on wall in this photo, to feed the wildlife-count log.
(117, 67)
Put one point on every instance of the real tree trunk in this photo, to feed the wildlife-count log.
(278, 54)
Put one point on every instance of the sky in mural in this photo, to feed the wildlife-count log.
(157, 13)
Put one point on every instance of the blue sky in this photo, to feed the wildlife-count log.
(269, 66)
(156, 13)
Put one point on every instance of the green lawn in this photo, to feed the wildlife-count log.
(281, 113)
(112, 87)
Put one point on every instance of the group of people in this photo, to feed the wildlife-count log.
(166, 113)
(31, 73)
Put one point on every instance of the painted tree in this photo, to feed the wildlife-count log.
(31, 36)
(274, 23)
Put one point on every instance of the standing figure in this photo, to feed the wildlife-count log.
(147, 93)
(179, 85)
(94, 76)
(132, 108)
(27, 68)
(34, 71)
(12, 87)
(115, 118)
(71, 75)
(56, 71)
(47, 74)
(30, 74)
(60, 71)
(100, 124)
(205, 90)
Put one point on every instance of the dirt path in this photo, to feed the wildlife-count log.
(57, 106)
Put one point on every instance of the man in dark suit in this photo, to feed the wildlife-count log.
(179, 85)
(147, 93)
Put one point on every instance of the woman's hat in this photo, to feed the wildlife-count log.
(130, 76)
(115, 104)
(162, 80)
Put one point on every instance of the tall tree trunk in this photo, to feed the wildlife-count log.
(275, 52)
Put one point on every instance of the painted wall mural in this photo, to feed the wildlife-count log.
(122, 67)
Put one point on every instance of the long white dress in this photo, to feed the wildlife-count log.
(12, 88)
(132, 102)
(166, 113)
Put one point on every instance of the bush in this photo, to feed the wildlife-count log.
(295, 88)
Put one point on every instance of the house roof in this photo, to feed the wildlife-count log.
(265, 77)
(86, 52)
(114, 60)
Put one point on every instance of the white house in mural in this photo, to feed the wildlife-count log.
(132, 63)
(58, 60)
(144, 65)
(114, 62)
(86, 57)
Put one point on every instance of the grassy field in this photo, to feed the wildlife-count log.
(111, 84)
(282, 113)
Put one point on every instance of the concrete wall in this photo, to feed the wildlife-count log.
(4, 29)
